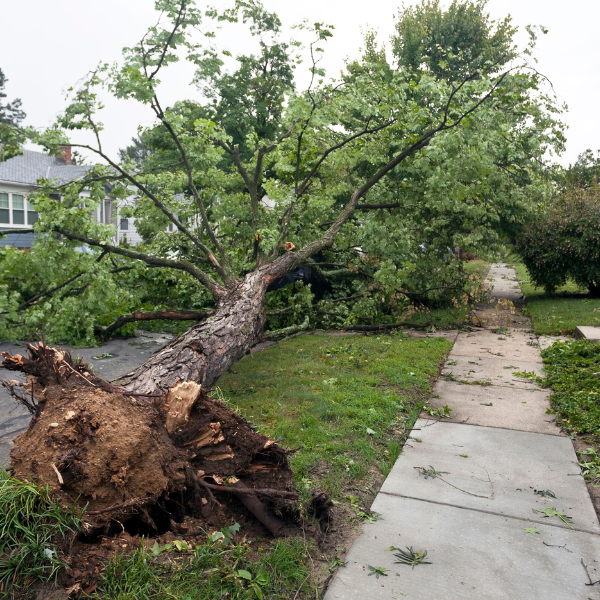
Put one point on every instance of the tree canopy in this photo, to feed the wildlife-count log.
(370, 179)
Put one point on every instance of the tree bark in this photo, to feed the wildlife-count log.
(209, 348)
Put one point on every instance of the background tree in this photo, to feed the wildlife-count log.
(11, 118)
(353, 173)
(563, 242)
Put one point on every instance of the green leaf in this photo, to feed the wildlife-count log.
(531, 530)
(262, 577)
(244, 574)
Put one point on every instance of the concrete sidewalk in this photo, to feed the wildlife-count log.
(478, 519)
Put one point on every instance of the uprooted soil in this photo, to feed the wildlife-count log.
(110, 453)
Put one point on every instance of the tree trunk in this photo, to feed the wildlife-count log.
(209, 348)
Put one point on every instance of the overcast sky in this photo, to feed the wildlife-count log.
(49, 46)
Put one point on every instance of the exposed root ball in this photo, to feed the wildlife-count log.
(120, 453)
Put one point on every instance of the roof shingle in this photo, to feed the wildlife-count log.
(31, 166)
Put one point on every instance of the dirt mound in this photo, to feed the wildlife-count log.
(123, 455)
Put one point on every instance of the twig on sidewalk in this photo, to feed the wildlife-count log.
(588, 574)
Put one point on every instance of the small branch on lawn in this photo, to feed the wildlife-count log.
(286, 331)
(384, 326)
(174, 315)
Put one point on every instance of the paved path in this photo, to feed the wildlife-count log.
(495, 450)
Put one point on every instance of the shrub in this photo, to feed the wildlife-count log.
(564, 242)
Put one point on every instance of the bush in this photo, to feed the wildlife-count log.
(564, 242)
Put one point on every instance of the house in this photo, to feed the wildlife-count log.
(18, 178)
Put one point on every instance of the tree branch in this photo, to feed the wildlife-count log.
(216, 290)
(175, 315)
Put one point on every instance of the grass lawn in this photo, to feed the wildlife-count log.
(561, 312)
(344, 404)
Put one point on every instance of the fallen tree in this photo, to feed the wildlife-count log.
(316, 155)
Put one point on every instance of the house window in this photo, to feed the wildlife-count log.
(4, 209)
(13, 209)
(32, 215)
(124, 224)
(18, 206)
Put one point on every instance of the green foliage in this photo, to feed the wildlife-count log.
(452, 43)
(12, 135)
(590, 465)
(549, 511)
(563, 243)
(255, 163)
(32, 527)
(378, 572)
(573, 372)
(585, 171)
(411, 557)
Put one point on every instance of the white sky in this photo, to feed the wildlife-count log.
(49, 46)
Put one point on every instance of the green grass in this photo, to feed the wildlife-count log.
(561, 312)
(31, 526)
(208, 571)
(572, 371)
(478, 266)
(343, 401)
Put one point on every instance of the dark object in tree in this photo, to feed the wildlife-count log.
(564, 242)
(318, 284)
(122, 454)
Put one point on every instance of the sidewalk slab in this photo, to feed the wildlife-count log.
(474, 556)
(503, 466)
(497, 369)
(515, 345)
(591, 334)
(511, 408)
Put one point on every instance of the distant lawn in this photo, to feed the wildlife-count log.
(345, 403)
(561, 312)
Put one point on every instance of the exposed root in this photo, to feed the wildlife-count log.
(97, 445)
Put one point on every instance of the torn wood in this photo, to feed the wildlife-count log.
(210, 435)
(179, 403)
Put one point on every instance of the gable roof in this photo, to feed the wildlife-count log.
(31, 166)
